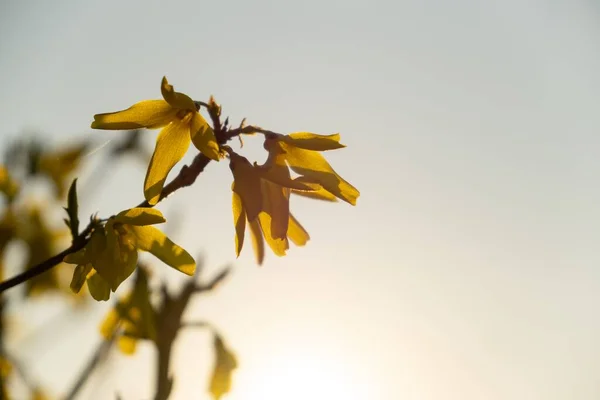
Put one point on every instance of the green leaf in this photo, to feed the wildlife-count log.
(72, 210)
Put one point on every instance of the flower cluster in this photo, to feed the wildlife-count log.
(111, 255)
(261, 193)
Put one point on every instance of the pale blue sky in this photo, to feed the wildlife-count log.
(469, 268)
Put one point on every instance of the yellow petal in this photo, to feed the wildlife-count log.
(276, 203)
(278, 246)
(318, 192)
(246, 183)
(150, 239)
(127, 345)
(7, 185)
(203, 137)
(258, 242)
(78, 257)
(98, 287)
(313, 165)
(312, 141)
(176, 99)
(239, 221)
(140, 216)
(171, 145)
(150, 114)
(297, 233)
(119, 259)
(79, 276)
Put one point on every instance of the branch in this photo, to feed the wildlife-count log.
(99, 354)
(78, 244)
(186, 177)
(214, 282)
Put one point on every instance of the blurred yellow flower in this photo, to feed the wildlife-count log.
(261, 197)
(132, 318)
(178, 115)
(42, 242)
(112, 252)
(301, 152)
(8, 231)
(225, 364)
(7, 185)
(59, 165)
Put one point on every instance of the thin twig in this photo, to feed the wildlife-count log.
(86, 372)
(78, 244)
(186, 177)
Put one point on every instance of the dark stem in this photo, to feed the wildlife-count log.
(78, 244)
(164, 383)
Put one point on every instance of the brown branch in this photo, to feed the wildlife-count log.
(78, 243)
(169, 320)
(186, 177)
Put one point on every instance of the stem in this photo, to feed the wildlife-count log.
(78, 244)
(99, 354)
(186, 177)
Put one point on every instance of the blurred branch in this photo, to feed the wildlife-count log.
(196, 324)
(169, 323)
(97, 357)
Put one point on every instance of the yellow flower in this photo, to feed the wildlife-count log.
(301, 152)
(178, 115)
(85, 272)
(132, 318)
(7, 185)
(112, 251)
(261, 197)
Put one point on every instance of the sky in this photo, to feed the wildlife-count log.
(469, 267)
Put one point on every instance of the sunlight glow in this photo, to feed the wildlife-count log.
(300, 376)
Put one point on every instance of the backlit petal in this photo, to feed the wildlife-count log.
(239, 221)
(171, 145)
(318, 193)
(297, 233)
(150, 114)
(203, 137)
(312, 141)
(78, 257)
(313, 165)
(140, 216)
(151, 239)
(98, 287)
(258, 242)
(276, 203)
(176, 99)
(246, 183)
(119, 259)
(279, 246)
(275, 168)
(79, 276)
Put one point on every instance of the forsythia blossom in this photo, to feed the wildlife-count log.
(261, 194)
(111, 255)
(261, 197)
(178, 115)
